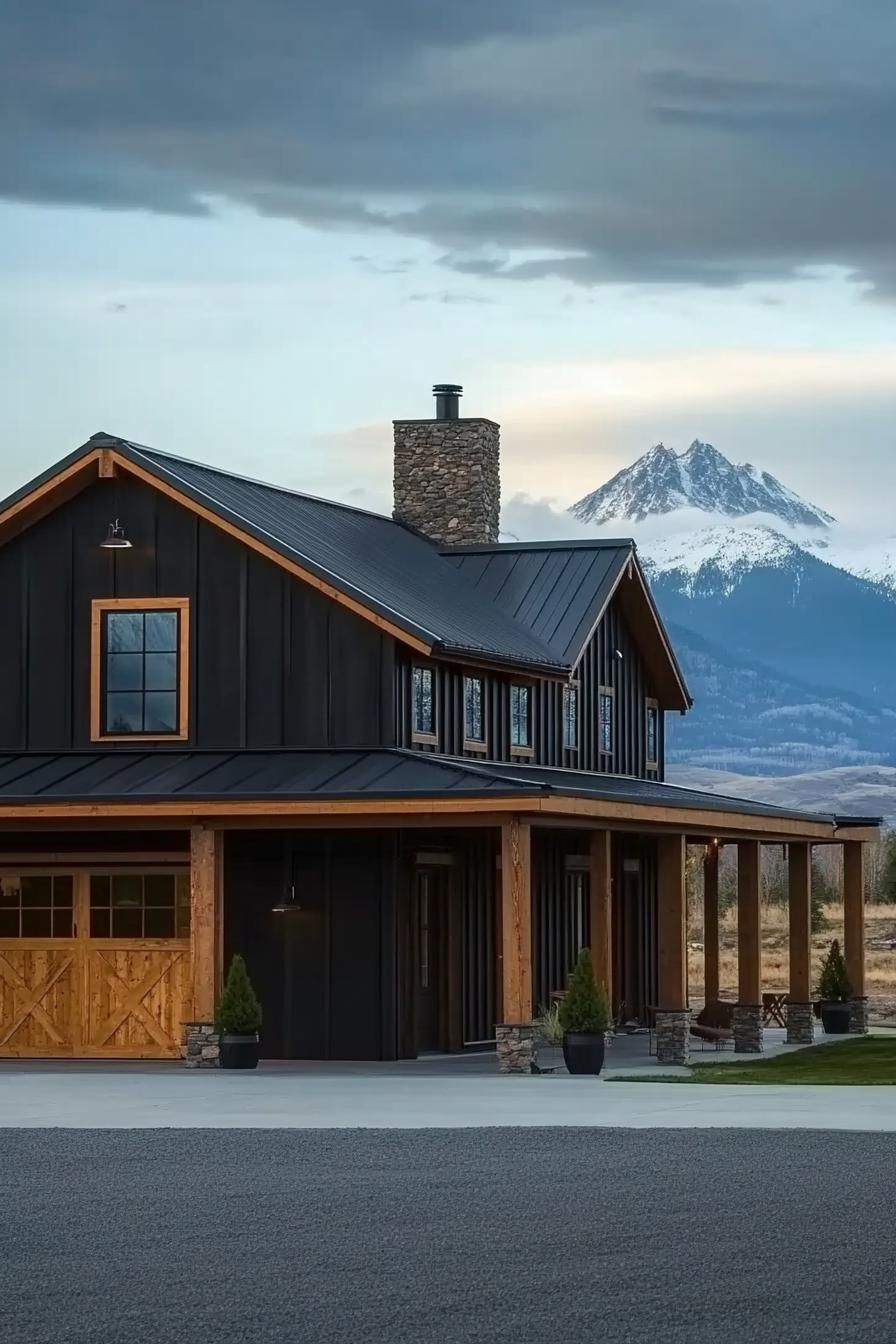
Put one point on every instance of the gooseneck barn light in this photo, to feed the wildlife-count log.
(115, 538)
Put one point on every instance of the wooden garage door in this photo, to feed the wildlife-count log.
(94, 965)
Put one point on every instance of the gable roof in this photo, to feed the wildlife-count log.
(526, 606)
(560, 591)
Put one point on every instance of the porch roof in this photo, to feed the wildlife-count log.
(282, 781)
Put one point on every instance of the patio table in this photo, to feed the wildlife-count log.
(773, 1005)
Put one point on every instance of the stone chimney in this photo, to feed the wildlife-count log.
(447, 479)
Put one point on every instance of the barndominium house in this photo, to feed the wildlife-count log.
(406, 769)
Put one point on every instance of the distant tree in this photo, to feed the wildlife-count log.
(824, 892)
(885, 889)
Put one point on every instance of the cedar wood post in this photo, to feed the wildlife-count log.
(516, 921)
(854, 915)
(205, 908)
(711, 923)
(799, 863)
(600, 891)
(672, 922)
(749, 962)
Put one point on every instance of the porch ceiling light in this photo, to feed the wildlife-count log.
(115, 538)
(288, 904)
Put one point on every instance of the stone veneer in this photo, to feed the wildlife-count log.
(517, 1047)
(858, 1017)
(673, 1036)
(202, 1045)
(800, 1023)
(747, 1026)
(447, 481)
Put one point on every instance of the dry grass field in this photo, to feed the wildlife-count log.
(880, 960)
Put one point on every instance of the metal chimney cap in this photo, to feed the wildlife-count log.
(456, 388)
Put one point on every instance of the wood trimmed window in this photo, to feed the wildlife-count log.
(36, 905)
(521, 720)
(652, 732)
(571, 716)
(140, 669)
(474, 714)
(424, 705)
(606, 705)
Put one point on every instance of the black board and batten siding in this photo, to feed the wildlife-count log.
(273, 661)
(611, 659)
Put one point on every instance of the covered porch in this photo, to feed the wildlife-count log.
(388, 905)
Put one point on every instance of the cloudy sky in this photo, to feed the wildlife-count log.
(255, 233)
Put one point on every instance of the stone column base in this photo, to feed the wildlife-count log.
(673, 1036)
(747, 1025)
(858, 1017)
(517, 1047)
(202, 1045)
(800, 1024)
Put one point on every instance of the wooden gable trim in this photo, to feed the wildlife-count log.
(44, 498)
(261, 548)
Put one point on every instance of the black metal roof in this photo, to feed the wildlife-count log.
(169, 774)
(389, 568)
(557, 591)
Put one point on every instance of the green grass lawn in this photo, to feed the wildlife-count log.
(865, 1061)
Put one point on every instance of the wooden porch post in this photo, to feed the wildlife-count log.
(601, 900)
(672, 1012)
(854, 931)
(515, 1041)
(748, 1012)
(800, 1018)
(711, 923)
(205, 885)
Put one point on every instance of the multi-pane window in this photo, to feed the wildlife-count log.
(424, 708)
(36, 906)
(140, 905)
(606, 700)
(474, 727)
(520, 716)
(653, 732)
(570, 717)
(140, 650)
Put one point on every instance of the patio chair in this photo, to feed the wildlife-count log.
(713, 1025)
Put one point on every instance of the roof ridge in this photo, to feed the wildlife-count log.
(564, 544)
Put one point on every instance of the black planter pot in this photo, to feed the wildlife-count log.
(583, 1051)
(239, 1052)
(835, 1018)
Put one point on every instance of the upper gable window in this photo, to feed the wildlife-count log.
(653, 732)
(139, 672)
(474, 725)
(424, 704)
(606, 703)
(520, 717)
(571, 716)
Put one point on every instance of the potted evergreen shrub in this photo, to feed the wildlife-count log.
(834, 991)
(585, 1018)
(238, 1018)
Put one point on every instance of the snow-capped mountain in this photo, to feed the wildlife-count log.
(703, 478)
(784, 624)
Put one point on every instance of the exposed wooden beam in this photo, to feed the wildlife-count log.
(799, 896)
(601, 900)
(205, 900)
(107, 468)
(711, 923)
(854, 915)
(672, 988)
(749, 951)
(516, 921)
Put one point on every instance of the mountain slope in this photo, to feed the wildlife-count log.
(703, 478)
(851, 790)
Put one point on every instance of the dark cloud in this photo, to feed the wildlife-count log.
(696, 143)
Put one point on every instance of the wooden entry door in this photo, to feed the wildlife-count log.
(70, 987)
(438, 960)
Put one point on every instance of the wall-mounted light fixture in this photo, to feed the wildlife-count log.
(287, 904)
(115, 538)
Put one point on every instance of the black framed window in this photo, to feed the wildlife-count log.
(606, 702)
(139, 905)
(520, 716)
(36, 905)
(140, 684)
(570, 717)
(474, 722)
(424, 704)
(653, 732)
